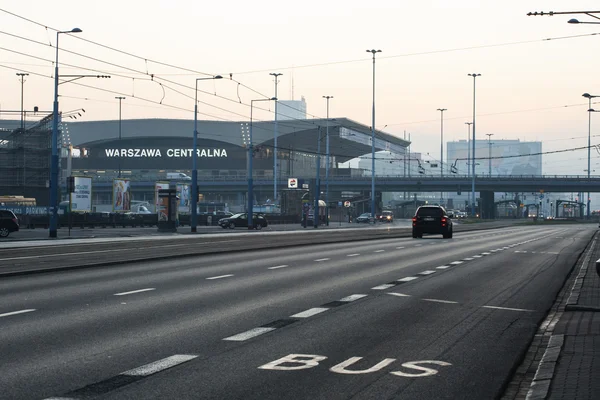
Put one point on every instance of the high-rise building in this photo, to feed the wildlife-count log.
(291, 109)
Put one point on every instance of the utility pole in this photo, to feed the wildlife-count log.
(474, 158)
(441, 110)
(327, 162)
(22, 76)
(468, 148)
(275, 134)
(489, 135)
(120, 98)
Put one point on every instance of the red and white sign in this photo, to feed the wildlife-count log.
(292, 183)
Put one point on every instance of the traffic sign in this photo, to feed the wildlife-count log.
(292, 183)
(339, 203)
(346, 203)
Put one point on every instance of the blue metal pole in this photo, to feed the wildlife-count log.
(194, 222)
(327, 164)
(316, 213)
(473, 158)
(276, 133)
(589, 148)
(54, 160)
(373, 146)
(250, 183)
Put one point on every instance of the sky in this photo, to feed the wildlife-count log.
(530, 88)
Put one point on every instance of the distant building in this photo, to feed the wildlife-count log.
(291, 109)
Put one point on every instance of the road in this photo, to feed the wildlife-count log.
(381, 319)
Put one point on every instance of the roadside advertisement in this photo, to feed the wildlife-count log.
(183, 192)
(157, 187)
(162, 207)
(81, 198)
(121, 195)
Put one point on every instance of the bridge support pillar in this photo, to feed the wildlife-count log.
(487, 206)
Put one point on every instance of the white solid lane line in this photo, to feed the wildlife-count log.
(441, 301)
(278, 266)
(353, 255)
(8, 314)
(408, 279)
(160, 365)
(322, 259)
(310, 312)
(507, 308)
(353, 297)
(382, 287)
(134, 291)
(428, 272)
(240, 337)
(399, 294)
(219, 277)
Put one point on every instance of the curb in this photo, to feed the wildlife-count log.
(572, 302)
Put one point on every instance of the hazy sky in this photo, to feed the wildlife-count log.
(429, 47)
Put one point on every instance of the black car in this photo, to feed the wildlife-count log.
(8, 223)
(386, 216)
(431, 219)
(241, 221)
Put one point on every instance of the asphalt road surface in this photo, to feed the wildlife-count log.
(381, 319)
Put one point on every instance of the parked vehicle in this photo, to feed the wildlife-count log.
(364, 217)
(241, 221)
(8, 223)
(178, 176)
(386, 216)
(431, 219)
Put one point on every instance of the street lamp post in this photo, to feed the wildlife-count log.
(22, 76)
(468, 148)
(120, 98)
(474, 75)
(249, 161)
(373, 140)
(441, 110)
(194, 194)
(327, 162)
(590, 111)
(54, 160)
(489, 135)
(275, 134)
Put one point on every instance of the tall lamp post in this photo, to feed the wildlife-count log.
(275, 134)
(441, 110)
(373, 140)
(473, 213)
(327, 162)
(590, 111)
(54, 160)
(120, 98)
(194, 194)
(489, 135)
(468, 148)
(250, 157)
(22, 76)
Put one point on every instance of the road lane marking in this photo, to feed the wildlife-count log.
(486, 253)
(399, 294)
(378, 251)
(418, 245)
(428, 272)
(553, 252)
(400, 247)
(441, 301)
(353, 255)
(219, 277)
(323, 259)
(278, 266)
(383, 287)
(134, 291)
(408, 279)
(456, 262)
(240, 337)
(353, 297)
(468, 259)
(443, 267)
(8, 314)
(160, 365)
(310, 312)
(507, 308)
(477, 256)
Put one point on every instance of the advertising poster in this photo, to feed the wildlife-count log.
(161, 208)
(183, 192)
(81, 198)
(157, 187)
(121, 195)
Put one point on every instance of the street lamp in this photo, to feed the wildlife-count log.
(441, 110)
(474, 75)
(194, 219)
(54, 161)
(590, 111)
(120, 98)
(250, 157)
(22, 76)
(327, 162)
(489, 135)
(275, 134)
(468, 148)
(373, 140)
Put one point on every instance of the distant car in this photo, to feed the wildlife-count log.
(459, 214)
(386, 216)
(364, 217)
(451, 213)
(241, 221)
(431, 219)
(8, 223)
(178, 176)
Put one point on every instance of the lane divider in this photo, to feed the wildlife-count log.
(134, 292)
(8, 314)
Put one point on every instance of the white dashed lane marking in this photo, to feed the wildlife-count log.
(507, 308)
(353, 255)
(378, 251)
(486, 253)
(443, 267)
(382, 287)
(278, 266)
(468, 259)
(428, 272)
(240, 337)
(353, 297)
(441, 301)
(408, 279)
(310, 312)
(322, 259)
(477, 256)
(8, 314)
(399, 294)
(220, 277)
(160, 365)
(134, 291)
(400, 247)
(456, 262)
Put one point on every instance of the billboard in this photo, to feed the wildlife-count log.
(121, 195)
(183, 192)
(81, 198)
(157, 187)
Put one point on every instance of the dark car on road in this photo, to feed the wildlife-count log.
(241, 221)
(431, 219)
(386, 216)
(8, 223)
(364, 217)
